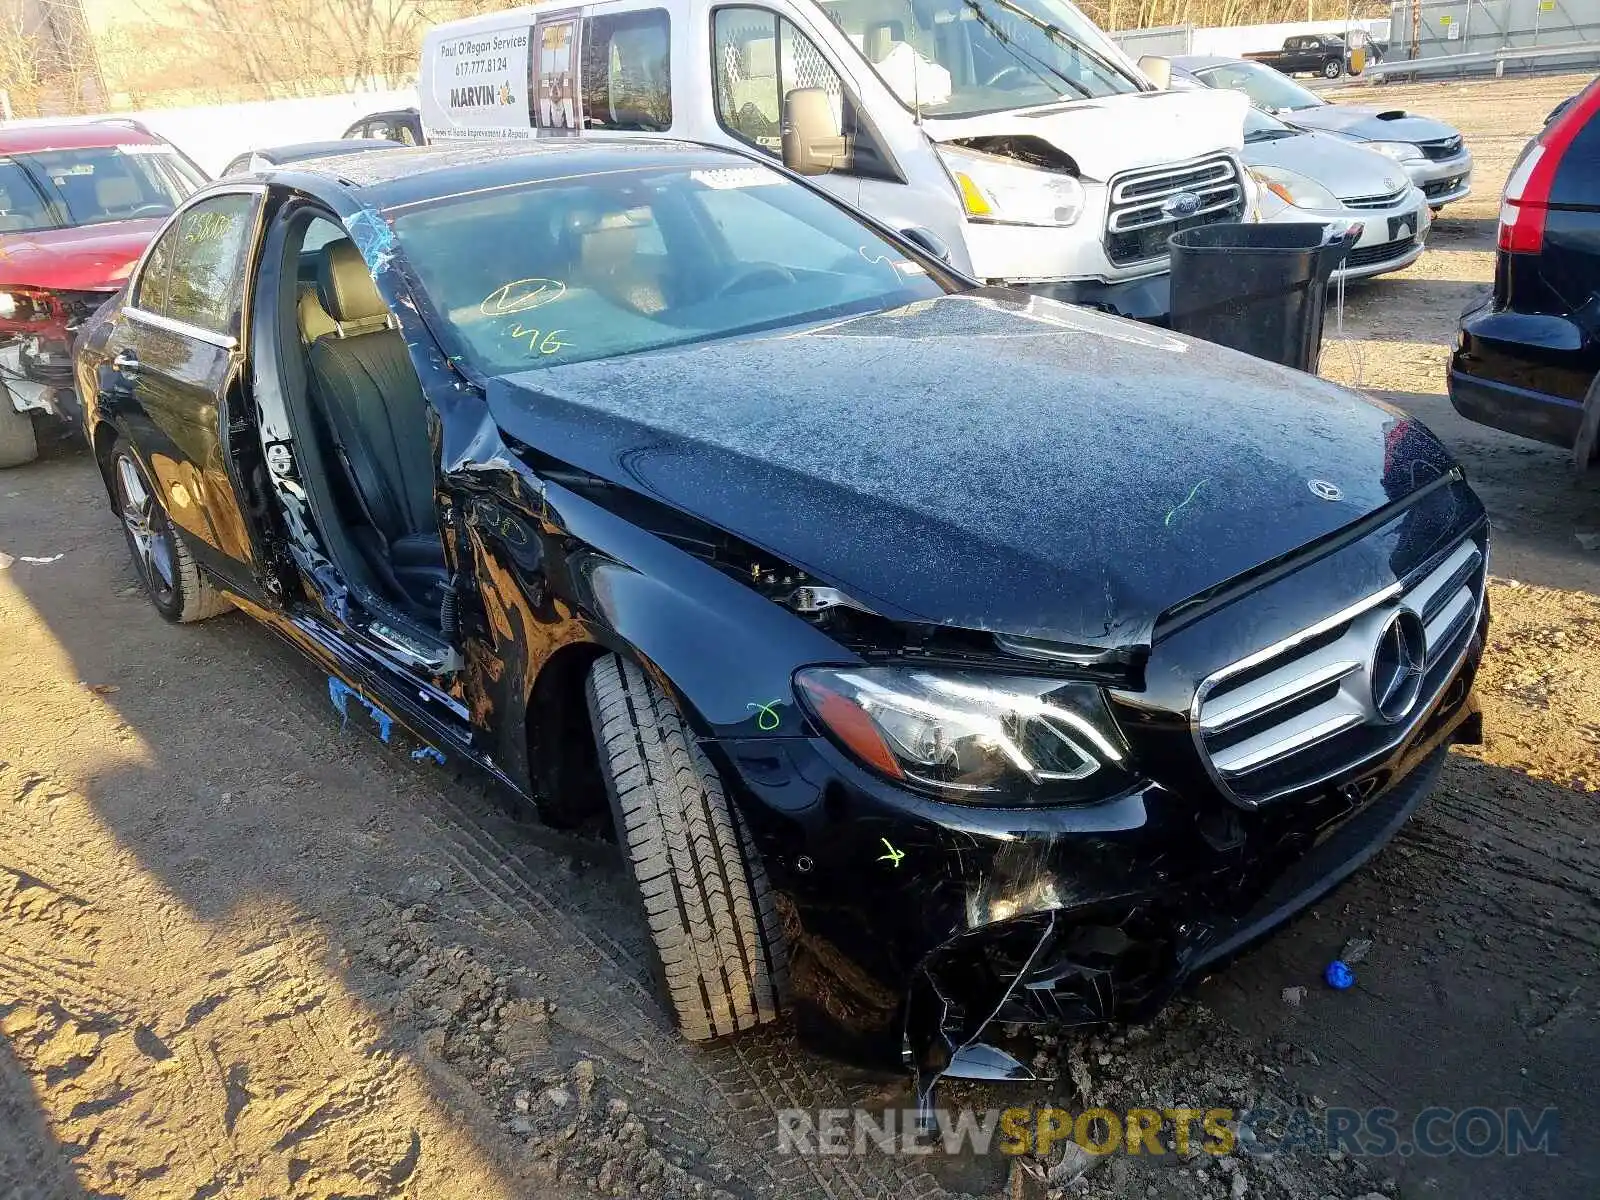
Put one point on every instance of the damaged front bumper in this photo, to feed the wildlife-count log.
(36, 375)
(935, 936)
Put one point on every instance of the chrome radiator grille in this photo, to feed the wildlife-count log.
(1387, 200)
(1343, 691)
(1141, 219)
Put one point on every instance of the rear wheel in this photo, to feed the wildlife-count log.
(168, 571)
(1332, 69)
(18, 443)
(713, 923)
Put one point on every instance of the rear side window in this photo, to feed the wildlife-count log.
(195, 271)
(22, 206)
(626, 71)
(1577, 181)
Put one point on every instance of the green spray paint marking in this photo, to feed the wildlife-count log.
(767, 716)
(894, 856)
(1193, 492)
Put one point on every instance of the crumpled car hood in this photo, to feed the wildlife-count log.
(1118, 133)
(989, 461)
(81, 258)
(1365, 122)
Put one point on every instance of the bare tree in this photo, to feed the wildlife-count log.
(1144, 14)
(47, 65)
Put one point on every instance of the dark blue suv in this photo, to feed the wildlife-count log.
(1529, 355)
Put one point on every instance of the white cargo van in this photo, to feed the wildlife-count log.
(1013, 131)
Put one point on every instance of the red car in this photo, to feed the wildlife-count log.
(78, 205)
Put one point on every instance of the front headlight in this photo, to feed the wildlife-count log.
(8, 305)
(1399, 151)
(973, 737)
(1294, 188)
(1003, 192)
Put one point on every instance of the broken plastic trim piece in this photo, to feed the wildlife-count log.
(934, 1022)
(1077, 656)
(341, 693)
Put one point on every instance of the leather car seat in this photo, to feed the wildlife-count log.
(603, 255)
(363, 377)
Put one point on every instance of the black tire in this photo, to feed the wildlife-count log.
(1332, 69)
(18, 442)
(167, 569)
(713, 921)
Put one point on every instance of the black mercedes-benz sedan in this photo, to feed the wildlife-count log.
(1528, 358)
(948, 660)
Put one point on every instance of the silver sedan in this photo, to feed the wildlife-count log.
(1304, 176)
(1432, 153)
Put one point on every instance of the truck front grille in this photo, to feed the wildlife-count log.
(1143, 213)
(1344, 692)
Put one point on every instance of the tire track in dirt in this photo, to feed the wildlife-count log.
(733, 1089)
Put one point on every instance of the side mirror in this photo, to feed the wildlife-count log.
(813, 143)
(928, 240)
(1158, 70)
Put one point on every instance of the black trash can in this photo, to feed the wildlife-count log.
(1257, 288)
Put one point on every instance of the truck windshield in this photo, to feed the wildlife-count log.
(960, 58)
(1268, 90)
(52, 189)
(620, 262)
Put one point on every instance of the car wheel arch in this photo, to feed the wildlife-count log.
(561, 760)
(103, 438)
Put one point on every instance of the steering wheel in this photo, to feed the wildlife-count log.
(744, 278)
(1012, 69)
(151, 210)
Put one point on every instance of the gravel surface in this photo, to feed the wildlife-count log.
(246, 951)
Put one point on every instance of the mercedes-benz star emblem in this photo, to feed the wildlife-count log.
(1323, 490)
(1398, 665)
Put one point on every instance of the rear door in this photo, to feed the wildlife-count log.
(174, 374)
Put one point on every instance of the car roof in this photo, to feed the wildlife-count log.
(1199, 62)
(420, 173)
(85, 135)
(325, 149)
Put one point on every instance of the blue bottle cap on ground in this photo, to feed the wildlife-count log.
(1338, 975)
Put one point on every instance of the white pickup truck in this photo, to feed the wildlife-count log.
(1011, 135)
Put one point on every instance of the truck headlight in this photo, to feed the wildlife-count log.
(1001, 191)
(1399, 151)
(971, 736)
(1294, 188)
(8, 305)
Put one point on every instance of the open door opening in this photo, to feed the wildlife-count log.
(361, 449)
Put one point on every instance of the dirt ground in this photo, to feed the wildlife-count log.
(246, 951)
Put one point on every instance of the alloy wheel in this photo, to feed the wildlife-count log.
(148, 533)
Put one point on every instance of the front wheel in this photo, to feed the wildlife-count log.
(168, 571)
(1332, 69)
(18, 442)
(711, 911)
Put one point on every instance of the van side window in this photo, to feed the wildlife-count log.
(758, 58)
(626, 78)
